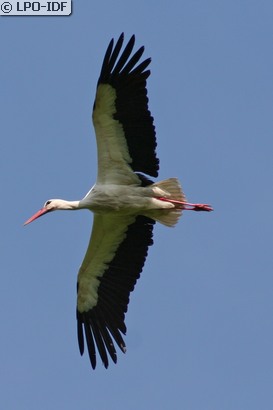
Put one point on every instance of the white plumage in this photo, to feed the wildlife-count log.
(125, 202)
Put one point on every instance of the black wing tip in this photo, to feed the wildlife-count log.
(80, 335)
(122, 36)
(99, 338)
(114, 62)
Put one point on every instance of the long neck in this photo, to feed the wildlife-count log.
(73, 204)
(66, 205)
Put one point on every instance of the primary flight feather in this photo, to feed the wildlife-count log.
(126, 203)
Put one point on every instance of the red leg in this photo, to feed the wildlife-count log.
(187, 206)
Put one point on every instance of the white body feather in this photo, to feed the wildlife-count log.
(125, 202)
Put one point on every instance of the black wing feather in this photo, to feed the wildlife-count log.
(110, 58)
(105, 321)
(90, 342)
(134, 59)
(132, 110)
(124, 56)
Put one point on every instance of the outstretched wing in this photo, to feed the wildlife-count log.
(114, 259)
(123, 124)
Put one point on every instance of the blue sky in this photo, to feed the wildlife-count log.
(200, 321)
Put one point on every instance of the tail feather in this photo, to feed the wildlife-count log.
(167, 217)
(170, 189)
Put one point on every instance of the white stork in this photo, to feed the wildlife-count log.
(125, 202)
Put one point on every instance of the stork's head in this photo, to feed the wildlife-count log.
(50, 205)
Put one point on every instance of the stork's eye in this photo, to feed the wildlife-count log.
(47, 203)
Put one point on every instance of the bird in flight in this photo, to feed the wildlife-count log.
(126, 203)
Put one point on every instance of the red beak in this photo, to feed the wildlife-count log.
(37, 215)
